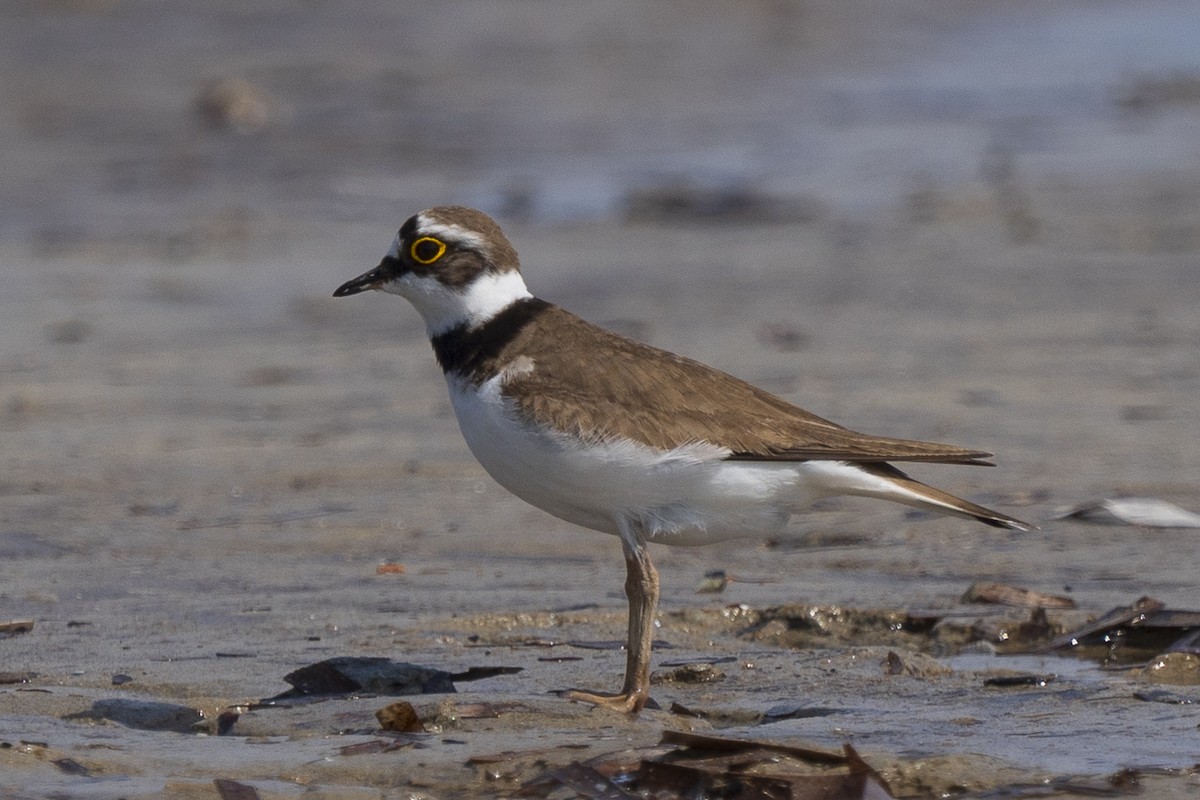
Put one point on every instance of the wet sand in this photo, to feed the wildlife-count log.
(892, 223)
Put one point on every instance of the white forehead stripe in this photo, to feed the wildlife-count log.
(448, 231)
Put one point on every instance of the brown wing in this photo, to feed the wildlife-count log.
(665, 401)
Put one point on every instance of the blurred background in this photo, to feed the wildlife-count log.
(989, 202)
(168, 129)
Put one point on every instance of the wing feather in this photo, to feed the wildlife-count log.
(666, 401)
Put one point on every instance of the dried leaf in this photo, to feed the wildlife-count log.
(15, 627)
(230, 789)
(721, 744)
(1117, 617)
(1006, 595)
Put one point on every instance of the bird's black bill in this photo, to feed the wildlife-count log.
(368, 280)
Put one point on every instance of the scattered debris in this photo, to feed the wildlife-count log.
(783, 711)
(16, 677)
(15, 627)
(1178, 669)
(1009, 681)
(714, 582)
(1135, 633)
(1097, 631)
(690, 673)
(354, 675)
(1144, 512)
(1006, 595)
(345, 675)
(610, 644)
(723, 717)
(916, 665)
(692, 765)
(400, 716)
(802, 626)
(701, 660)
(230, 789)
(144, 715)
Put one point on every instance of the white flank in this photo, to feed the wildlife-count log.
(688, 495)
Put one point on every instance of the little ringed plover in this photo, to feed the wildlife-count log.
(622, 437)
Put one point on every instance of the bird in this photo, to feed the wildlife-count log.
(622, 437)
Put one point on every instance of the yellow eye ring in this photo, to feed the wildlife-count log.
(427, 250)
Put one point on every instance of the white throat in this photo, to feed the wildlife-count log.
(444, 307)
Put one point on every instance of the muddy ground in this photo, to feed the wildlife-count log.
(971, 224)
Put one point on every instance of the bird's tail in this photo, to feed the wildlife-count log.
(894, 485)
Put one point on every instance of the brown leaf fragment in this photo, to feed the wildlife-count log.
(400, 716)
(860, 768)
(1118, 617)
(15, 627)
(230, 789)
(1010, 681)
(588, 783)
(1008, 595)
(759, 774)
(17, 677)
(720, 744)
(682, 780)
(390, 568)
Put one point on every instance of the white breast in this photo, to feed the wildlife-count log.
(689, 495)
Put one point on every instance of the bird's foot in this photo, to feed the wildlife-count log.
(626, 703)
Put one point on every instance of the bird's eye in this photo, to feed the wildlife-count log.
(427, 250)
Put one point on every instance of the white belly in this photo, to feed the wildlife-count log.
(689, 495)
